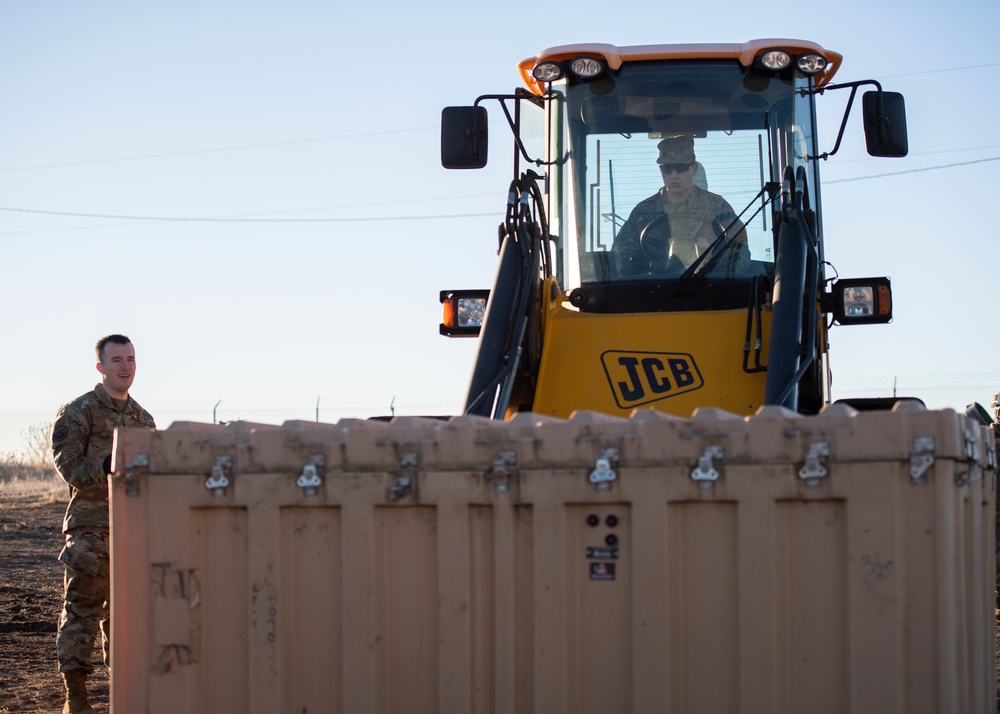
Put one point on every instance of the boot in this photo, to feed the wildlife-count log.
(76, 694)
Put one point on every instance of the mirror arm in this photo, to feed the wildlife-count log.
(847, 111)
(514, 122)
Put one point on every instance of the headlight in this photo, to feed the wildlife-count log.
(463, 312)
(811, 63)
(547, 72)
(775, 59)
(471, 311)
(586, 67)
(861, 301)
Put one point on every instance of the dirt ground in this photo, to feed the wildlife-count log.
(30, 601)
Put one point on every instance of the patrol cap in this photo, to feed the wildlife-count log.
(676, 150)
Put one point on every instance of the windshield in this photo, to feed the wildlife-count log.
(671, 170)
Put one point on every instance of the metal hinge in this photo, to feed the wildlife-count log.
(813, 471)
(404, 482)
(311, 479)
(921, 459)
(604, 469)
(135, 468)
(400, 489)
(975, 472)
(502, 469)
(971, 447)
(219, 481)
(705, 474)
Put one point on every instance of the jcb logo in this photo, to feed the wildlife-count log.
(638, 378)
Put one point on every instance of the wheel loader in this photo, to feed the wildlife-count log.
(649, 502)
(574, 324)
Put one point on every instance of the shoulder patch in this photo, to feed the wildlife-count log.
(60, 433)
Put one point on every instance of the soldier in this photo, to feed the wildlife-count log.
(81, 448)
(690, 219)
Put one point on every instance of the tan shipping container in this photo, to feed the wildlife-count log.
(777, 563)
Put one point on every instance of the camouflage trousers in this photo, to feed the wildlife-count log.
(87, 600)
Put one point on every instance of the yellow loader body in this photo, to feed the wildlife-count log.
(671, 362)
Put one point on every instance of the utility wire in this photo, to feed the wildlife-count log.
(291, 210)
(840, 160)
(912, 171)
(354, 136)
(212, 151)
(372, 219)
(938, 71)
(245, 220)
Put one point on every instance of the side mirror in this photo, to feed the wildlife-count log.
(860, 301)
(463, 137)
(885, 123)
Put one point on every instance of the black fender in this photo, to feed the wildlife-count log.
(785, 342)
(493, 350)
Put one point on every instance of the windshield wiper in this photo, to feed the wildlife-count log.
(704, 264)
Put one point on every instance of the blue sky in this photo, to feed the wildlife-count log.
(303, 110)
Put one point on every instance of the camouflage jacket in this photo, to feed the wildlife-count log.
(82, 437)
(692, 226)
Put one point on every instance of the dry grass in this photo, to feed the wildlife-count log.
(22, 480)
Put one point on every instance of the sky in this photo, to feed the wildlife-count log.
(123, 126)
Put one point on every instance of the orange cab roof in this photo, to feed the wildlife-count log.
(615, 56)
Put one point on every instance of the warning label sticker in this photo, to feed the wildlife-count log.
(602, 571)
(603, 553)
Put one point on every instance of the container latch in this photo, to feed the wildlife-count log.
(218, 481)
(604, 472)
(404, 483)
(975, 472)
(310, 479)
(135, 468)
(401, 489)
(503, 469)
(705, 474)
(813, 471)
(921, 459)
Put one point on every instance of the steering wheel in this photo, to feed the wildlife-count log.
(654, 238)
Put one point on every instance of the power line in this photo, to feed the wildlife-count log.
(939, 71)
(869, 159)
(912, 171)
(291, 142)
(925, 380)
(954, 151)
(422, 201)
(212, 151)
(370, 219)
(244, 220)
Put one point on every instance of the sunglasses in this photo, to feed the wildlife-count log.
(676, 168)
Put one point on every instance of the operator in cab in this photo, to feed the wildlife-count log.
(668, 231)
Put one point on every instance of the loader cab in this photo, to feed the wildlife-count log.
(609, 245)
(746, 127)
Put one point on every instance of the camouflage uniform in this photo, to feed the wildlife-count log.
(688, 232)
(82, 437)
